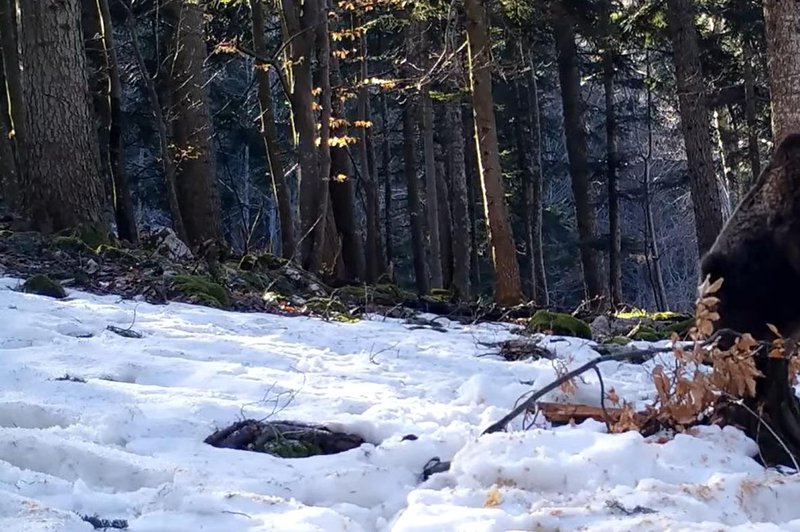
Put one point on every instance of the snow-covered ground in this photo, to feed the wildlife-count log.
(128, 443)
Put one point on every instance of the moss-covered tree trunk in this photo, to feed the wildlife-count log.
(61, 186)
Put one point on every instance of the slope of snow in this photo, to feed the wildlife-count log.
(128, 443)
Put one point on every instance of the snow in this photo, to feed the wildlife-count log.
(128, 442)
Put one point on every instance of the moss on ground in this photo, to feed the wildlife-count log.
(381, 294)
(71, 243)
(559, 323)
(248, 263)
(43, 285)
(202, 289)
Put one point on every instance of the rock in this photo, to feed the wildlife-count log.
(42, 285)
(92, 267)
(601, 327)
(167, 243)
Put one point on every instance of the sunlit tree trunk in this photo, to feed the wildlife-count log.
(504, 257)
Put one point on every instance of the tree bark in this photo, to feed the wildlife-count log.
(751, 117)
(269, 134)
(695, 123)
(191, 126)
(431, 191)
(541, 293)
(782, 28)
(299, 41)
(575, 130)
(445, 222)
(342, 182)
(456, 172)
(9, 177)
(421, 274)
(325, 249)
(367, 162)
(13, 75)
(386, 162)
(504, 256)
(62, 187)
(612, 163)
(122, 201)
(473, 195)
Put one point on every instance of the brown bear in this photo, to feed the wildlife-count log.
(758, 252)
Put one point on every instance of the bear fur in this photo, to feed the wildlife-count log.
(758, 252)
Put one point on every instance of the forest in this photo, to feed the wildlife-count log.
(556, 152)
(369, 265)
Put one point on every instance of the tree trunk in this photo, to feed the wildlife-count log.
(455, 160)
(541, 293)
(167, 164)
(299, 41)
(651, 244)
(445, 223)
(473, 195)
(13, 75)
(575, 130)
(612, 162)
(122, 201)
(782, 28)
(727, 152)
(269, 134)
(695, 123)
(342, 182)
(386, 162)
(62, 187)
(97, 73)
(421, 274)
(9, 177)
(431, 192)
(504, 253)
(751, 117)
(366, 160)
(192, 128)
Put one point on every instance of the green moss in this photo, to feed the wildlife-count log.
(668, 316)
(325, 306)
(71, 243)
(631, 314)
(202, 289)
(681, 327)
(381, 294)
(94, 235)
(559, 323)
(440, 294)
(114, 253)
(42, 285)
(248, 263)
(286, 448)
(618, 340)
(645, 333)
(270, 262)
(255, 281)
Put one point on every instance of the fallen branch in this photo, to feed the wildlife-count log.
(531, 401)
(628, 355)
